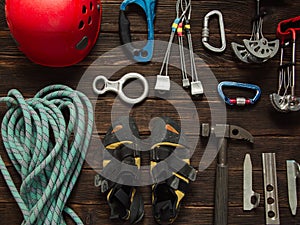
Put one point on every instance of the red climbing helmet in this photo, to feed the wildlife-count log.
(54, 32)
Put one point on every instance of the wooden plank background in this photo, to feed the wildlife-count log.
(273, 132)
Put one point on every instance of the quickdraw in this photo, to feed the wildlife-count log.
(205, 32)
(257, 49)
(285, 100)
(144, 54)
(240, 101)
(182, 21)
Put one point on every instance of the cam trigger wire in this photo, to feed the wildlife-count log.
(185, 79)
(171, 39)
(183, 16)
(46, 138)
(196, 85)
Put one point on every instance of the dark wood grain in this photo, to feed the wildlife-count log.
(273, 132)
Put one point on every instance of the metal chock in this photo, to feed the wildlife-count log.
(162, 83)
(196, 88)
(293, 172)
(185, 82)
(205, 32)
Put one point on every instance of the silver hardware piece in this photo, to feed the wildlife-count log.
(242, 53)
(162, 83)
(293, 172)
(285, 100)
(248, 192)
(185, 83)
(205, 31)
(257, 49)
(241, 101)
(280, 103)
(270, 189)
(262, 48)
(185, 79)
(196, 88)
(117, 87)
(97, 180)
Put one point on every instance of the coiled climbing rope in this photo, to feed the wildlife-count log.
(46, 139)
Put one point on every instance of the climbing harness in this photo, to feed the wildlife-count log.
(240, 101)
(182, 21)
(257, 49)
(46, 138)
(144, 54)
(205, 32)
(117, 87)
(285, 99)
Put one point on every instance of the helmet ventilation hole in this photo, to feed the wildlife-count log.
(90, 20)
(91, 6)
(81, 25)
(84, 9)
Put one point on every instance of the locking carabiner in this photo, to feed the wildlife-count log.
(240, 101)
(205, 31)
(144, 54)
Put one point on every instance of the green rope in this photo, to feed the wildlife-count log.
(46, 139)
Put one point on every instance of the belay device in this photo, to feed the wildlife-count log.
(144, 54)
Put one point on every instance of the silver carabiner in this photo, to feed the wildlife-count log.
(205, 32)
(117, 87)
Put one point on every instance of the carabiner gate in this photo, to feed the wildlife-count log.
(240, 101)
(144, 54)
(205, 32)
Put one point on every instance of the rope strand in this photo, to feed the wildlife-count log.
(46, 150)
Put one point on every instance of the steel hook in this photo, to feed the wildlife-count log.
(205, 31)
